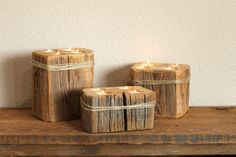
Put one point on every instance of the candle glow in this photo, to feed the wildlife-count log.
(49, 50)
(96, 89)
(147, 64)
(134, 91)
(67, 49)
(100, 92)
(126, 87)
(58, 53)
(169, 68)
(76, 51)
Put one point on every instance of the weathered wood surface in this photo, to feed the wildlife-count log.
(202, 131)
(110, 120)
(117, 150)
(56, 93)
(172, 98)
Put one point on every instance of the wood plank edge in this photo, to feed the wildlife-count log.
(116, 150)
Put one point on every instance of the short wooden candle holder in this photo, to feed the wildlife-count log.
(58, 77)
(169, 81)
(114, 109)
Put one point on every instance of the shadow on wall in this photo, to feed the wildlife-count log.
(16, 81)
(119, 76)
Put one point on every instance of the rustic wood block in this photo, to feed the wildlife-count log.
(169, 81)
(58, 77)
(113, 109)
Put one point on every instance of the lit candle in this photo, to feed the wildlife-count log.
(76, 51)
(134, 91)
(175, 65)
(49, 50)
(145, 65)
(100, 92)
(96, 89)
(69, 49)
(169, 68)
(126, 87)
(58, 53)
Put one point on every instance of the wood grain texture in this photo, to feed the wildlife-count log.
(198, 126)
(172, 98)
(56, 94)
(98, 121)
(116, 150)
(202, 131)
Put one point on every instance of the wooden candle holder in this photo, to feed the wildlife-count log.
(169, 81)
(113, 109)
(58, 77)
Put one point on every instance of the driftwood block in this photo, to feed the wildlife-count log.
(113, 109)
(58, 77)
(169, 81)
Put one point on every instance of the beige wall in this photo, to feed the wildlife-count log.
(201, 33)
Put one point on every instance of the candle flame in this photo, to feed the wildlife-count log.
(67, 49)
(49, 50)
(126, 87)
(58, 53)
(100, 92)
(96, 89)
(169, 67)
(134, 91)
(147, 64)
(76, 51)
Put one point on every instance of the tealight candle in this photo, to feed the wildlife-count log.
(101, 92)
(67, 49)
(169, 81)
(95, 89)
(147, 64)
(76, 51)
(169, 68)
(125, 87)
(134, 91)
(58, 53)
(49, 51)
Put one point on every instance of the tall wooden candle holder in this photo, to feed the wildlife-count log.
(58, 77)
(169, 81)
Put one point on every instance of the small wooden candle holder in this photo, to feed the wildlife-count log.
(58, 77)
(169, 81)
(113, 109)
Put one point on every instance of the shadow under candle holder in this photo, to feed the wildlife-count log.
(16, 81)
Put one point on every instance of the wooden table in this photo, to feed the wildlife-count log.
(200, 131)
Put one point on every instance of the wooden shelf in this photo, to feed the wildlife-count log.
(200, 131)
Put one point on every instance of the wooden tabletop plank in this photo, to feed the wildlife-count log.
(116, 150)
(201, 125)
